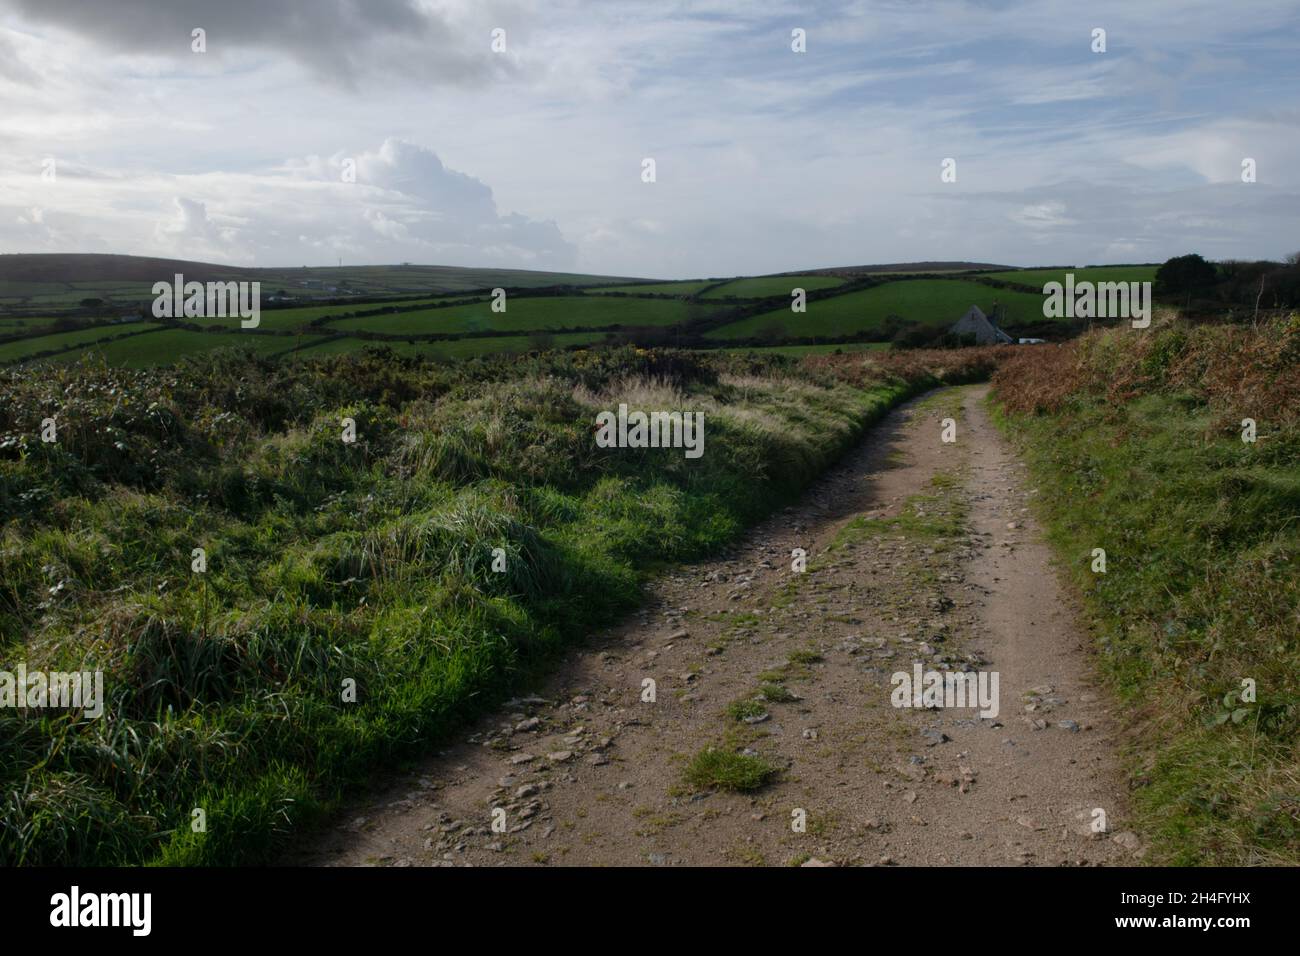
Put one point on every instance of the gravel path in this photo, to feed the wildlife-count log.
(918, 551)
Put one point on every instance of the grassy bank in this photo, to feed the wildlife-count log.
(336, 568)
(1135, 439)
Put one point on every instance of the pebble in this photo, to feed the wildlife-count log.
(1127, 839)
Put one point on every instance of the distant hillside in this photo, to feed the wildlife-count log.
(90, 267)
(61, 281)
(911, 267)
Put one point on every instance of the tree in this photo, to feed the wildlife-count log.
(1185, 274)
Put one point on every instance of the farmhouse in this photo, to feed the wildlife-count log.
(976, 323)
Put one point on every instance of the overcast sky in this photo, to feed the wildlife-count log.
(765, 159)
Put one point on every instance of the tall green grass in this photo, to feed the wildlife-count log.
(335, 565)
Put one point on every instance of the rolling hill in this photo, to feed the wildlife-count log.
(63, 307)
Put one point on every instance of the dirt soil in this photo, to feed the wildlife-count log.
(918, 550)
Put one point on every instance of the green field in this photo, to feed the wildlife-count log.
(528, 314)
(764, 287)
(127, 281)
(117, 295)
(22, 348)
(929, 301)
(168, 345)
(1038, 277)
(416, 279)
(932, 302)
(295, 318)
(453, 349)
(162, 348)
(26, 325)
(688, 287)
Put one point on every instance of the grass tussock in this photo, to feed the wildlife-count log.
(749, 709)
(717, 769)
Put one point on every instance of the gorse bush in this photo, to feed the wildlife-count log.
(1136, 439)
(332, 564)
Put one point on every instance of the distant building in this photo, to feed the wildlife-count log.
(976, 323)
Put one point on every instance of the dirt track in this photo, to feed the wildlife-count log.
(589, 773)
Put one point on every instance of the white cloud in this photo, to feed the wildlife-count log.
(767, 160)
(1043, 215)
(404, 206)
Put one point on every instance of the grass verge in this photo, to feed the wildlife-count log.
(1136, 442)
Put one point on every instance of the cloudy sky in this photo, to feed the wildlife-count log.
(382, 131)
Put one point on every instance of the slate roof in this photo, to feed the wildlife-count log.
(976, 323)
